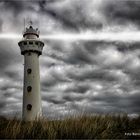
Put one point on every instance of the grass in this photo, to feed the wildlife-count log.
(83, 127)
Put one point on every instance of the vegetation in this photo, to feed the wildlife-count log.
(84, 127)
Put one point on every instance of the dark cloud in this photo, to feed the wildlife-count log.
(4, 57)
(71, 98)
(10, 61)
(93, 74)
(2, 105)
(75, 53)
(55, 101)
(128, 46)
(78, 88)
(123, 12)
(19, 6)
(73, 17)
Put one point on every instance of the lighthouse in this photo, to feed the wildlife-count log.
(31, 47)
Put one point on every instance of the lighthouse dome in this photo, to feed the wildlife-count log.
(31, 33)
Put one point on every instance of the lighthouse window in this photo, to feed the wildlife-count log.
(29, 88)
(25, 43)
(30, 43)
(29, 71)
(29, 53)
(29, 107)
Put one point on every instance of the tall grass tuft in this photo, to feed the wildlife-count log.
(83, 127)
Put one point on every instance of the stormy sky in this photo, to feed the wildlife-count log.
(92, 77)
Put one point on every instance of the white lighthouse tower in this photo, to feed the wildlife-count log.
(31, 47)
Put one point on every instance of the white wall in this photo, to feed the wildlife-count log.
(33, 80)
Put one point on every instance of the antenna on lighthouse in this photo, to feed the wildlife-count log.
(24, 24)
(30, 22)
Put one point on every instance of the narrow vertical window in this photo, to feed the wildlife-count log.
(29, 71)
(29, 53)
(30, 43)
(36, 43)
(29, 88)
(29, 107)
(25, 43)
